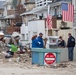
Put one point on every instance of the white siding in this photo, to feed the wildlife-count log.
(35, 27)
(52, 11)
(42, 2)
(44, 14)
(74, 2)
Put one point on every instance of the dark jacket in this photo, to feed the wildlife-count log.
(62, 44)
(71, 42)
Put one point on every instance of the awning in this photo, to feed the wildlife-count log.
(10, 17)
(34, 10)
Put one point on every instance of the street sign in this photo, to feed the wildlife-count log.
(49, 58)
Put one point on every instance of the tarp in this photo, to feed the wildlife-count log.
(13, 48)
(14, 34)
(1, 33)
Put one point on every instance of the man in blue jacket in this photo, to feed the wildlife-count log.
(70, 45)
(40, 41)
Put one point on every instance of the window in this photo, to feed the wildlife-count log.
(26, 36)
(55, 11)
(23, 37)
(34, 33)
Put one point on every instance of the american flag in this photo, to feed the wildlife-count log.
(49, 22)
(67, 12)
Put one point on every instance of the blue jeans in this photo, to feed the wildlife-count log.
(70, 53)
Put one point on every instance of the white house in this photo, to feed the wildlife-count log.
(7, 6)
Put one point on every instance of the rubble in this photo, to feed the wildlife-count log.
(25, 60)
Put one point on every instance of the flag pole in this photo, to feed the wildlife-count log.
(47, 25)
(48, 9)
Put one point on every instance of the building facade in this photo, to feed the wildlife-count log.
(2, 20)
(12, 11)
(55, 10)
(74, 24)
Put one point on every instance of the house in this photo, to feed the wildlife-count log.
(13, 9)
(53, 7)
(29, 5)
(2, 20)
(8, 13)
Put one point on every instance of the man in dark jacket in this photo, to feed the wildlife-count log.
(70, 45)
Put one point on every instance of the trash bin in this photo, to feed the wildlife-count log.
(43, 56)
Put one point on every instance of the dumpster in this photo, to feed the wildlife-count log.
(43, 56)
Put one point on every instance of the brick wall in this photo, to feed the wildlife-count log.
(10, 12)
(12, 29)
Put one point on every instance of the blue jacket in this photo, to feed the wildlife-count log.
(34, 43)
(40, 42)
(37, 43)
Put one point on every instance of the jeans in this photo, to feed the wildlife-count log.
(70, 53)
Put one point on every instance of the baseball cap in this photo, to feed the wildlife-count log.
(40, 33)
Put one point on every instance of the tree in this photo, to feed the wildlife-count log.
(19, 9)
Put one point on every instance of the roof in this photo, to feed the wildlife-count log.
(31, 0)
(1, 4)
(10, 16)
(2, 18)
(7, 2)
(34, 10)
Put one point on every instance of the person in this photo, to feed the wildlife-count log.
(37, 42)
(70, 45)
(40, 41)
(61, 42)
(34, 41)
(19, 45)
(12, 49)
(1, 41)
